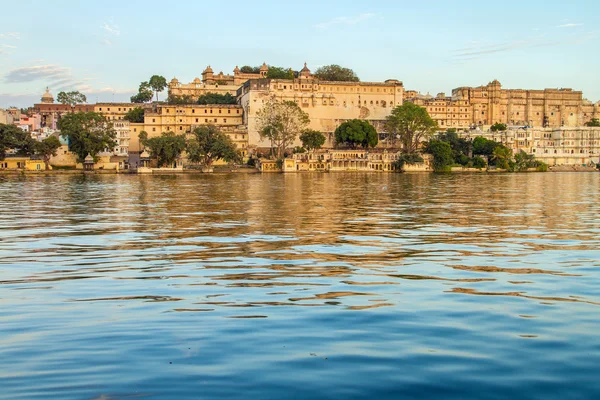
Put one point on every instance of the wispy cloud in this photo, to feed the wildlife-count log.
(111, 28)
(8, 46)
(10, 35)
(344, 20)
(36, 72)
(107, 42)
(570, 25)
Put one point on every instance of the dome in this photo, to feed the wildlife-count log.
(144, 154)
(89, 159)
(196, 80)
(174, 81)
(208, 70)
(236, 70)
(47, 97)
(305, 69)
(264, 67)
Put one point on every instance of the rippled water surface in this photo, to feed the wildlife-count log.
(323, 286)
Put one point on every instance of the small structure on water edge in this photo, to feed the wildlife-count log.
(22, 163)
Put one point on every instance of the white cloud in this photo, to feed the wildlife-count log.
(344, 20)
(570, 25)
(10, 35)
(112, 29)
(107, 42)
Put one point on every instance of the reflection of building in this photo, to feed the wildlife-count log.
(554, 146)
(50, 112)
(489, 104)
(214, 83)
(328, 104)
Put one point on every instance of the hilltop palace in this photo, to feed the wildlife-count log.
(548, 123)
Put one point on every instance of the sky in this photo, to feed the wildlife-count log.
(105, 49)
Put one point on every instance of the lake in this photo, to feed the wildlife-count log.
(322, 286)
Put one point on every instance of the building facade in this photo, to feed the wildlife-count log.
(328, 104)
(51, 112)
(490, 104)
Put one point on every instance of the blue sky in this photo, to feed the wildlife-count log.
(105, 49)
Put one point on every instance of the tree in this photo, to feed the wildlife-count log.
(335, 72)
(356, 132)
(501, 156)
(246, 69)
(144, 94)
(135, 115)
(71, 98)
(165, 148)
(412, 124)
(442, 155)
(47, 148)
(483, 146)
(217, 98)
(14, 138)
(498, 127)
(461, 148)
(281, 122)
(280, 73)
(87, 133)
(523, 161)
(208, 144)
(593, 122)
(406, 158)
(312, 139)
(158, 84)
(185, 99)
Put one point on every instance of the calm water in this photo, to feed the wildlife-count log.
(324, 286)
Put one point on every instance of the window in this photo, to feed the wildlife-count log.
(211, 110)
(215, 120)
(193, 111)
(196, 119)
(100, 108)
(153, 129)
(228, 111)
(205, 111)
(153, 120)
(220, 111)
(205, 119)
(224, 120)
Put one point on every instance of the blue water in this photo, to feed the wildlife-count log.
(321, 286)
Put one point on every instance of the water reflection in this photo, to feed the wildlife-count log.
(367, 268)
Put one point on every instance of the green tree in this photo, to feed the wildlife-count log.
(593, 122)
(412, 124)
(461, 148)
(442, 155)
(14, 138)
(71, 98)
(335, 72)
(246, 69)
(478, 162)
(356, 132)
(280, 122)
(47, 148)
(185, 99)
(501, 156)
(217, 98)
(498, 127)
(165, 148)
(280, 73)
(523, 161)
(158, 84)
(144, 94)
(208, 144)
(483, 146)
(312, 140)
(135, 115)
(87, 133)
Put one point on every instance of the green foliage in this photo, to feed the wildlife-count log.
(483, 146)
(461, 148)
(185, 99)
(217, 98)
(14, 138)
(502, 157)
(166, 148)
(312, 140)
(135, 115)
(335, 72)
(208, 144)
(543, 167)
(47, 148)
(280, 122)
(158, 84)
(442, 155)
(478, 162)
(71, 98)
(144, 94)
(298, 150)
(407, 158)
(593, 122)
(280, 73)
(356, 132)
(251, 162)
(87, 133)
(411, 124)
(498, 127)
(246, 69)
